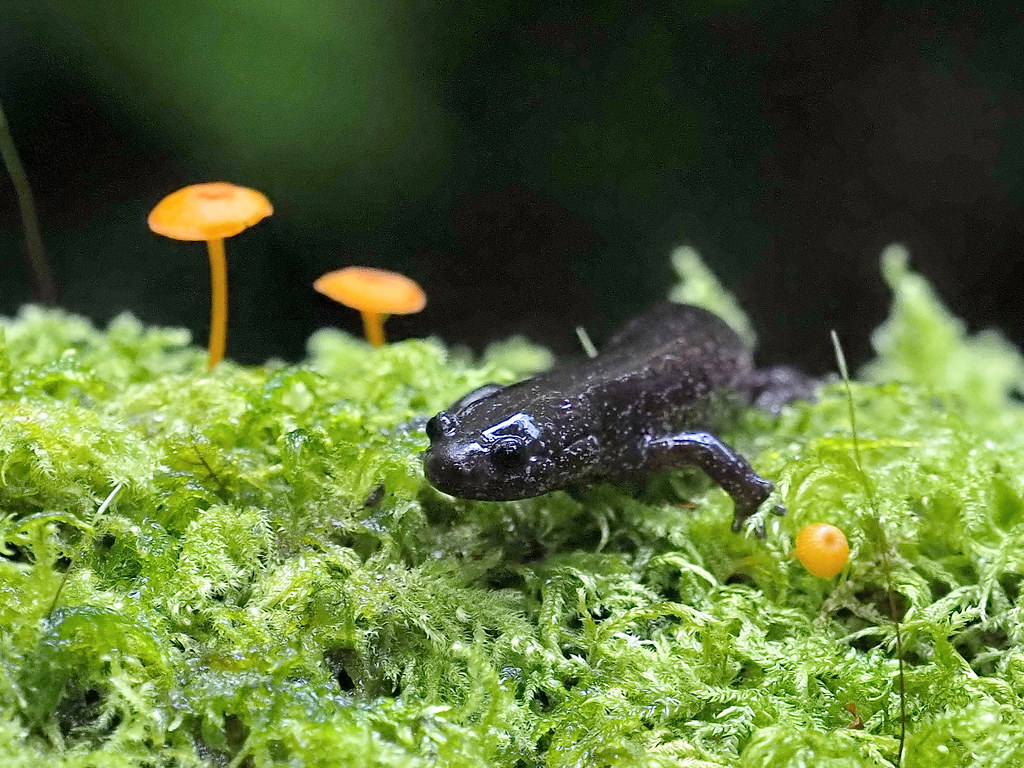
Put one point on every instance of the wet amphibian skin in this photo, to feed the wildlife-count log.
(650, 401)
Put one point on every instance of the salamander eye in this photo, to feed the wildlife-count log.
(432, 429)
(439, 426)
(508, 453)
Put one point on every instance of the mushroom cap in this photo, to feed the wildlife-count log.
(373, 290)
(208, 211)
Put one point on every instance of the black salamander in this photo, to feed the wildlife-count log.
(651, 400)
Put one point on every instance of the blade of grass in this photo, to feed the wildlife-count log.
(95, 519)
(585, 342)
(46, 286)
(880, 541)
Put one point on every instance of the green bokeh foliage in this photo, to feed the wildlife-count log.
(315, 101)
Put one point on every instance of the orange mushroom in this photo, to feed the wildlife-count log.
(376, 293)
(211, 212)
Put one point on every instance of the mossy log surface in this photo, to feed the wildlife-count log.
(246, 568)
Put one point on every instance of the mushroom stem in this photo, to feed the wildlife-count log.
(373, 327)
(218, 300)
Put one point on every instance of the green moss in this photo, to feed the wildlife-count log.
(246, 568)
(698, 285)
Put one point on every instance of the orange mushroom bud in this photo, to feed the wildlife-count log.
(822, 549)
(211, 212)
(376, 293)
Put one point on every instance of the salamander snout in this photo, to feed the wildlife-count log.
(458, 469)
(501, 471)
(501, 457)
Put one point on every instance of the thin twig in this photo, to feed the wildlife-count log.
(46, 286)
(881, 542)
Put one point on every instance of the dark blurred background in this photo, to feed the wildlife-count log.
(532, 164)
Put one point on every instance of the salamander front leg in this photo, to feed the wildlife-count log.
(719, 462)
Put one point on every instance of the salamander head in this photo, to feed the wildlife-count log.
(477, 453)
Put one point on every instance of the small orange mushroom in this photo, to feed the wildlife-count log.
(376, 293)
(822, 549)
(211, 212)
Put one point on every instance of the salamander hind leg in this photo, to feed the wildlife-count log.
(770, 389)
(719, 462)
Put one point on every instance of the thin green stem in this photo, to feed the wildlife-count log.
(881, 541)
(46, 286)
(585, 342)
(92, 530)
